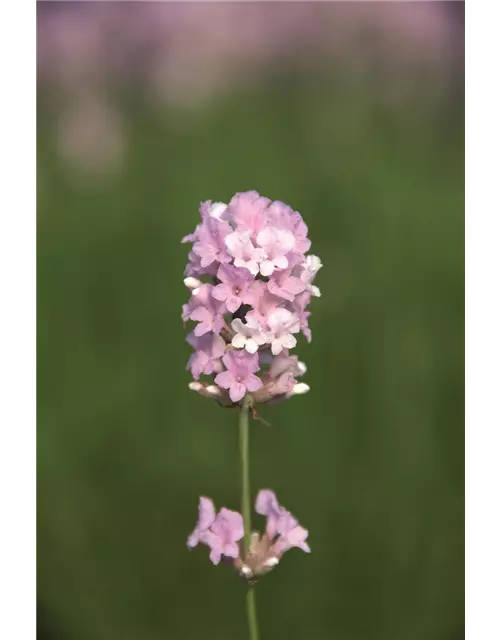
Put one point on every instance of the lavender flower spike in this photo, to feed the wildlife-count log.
(251, 282)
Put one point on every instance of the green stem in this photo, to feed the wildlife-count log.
(247, 514)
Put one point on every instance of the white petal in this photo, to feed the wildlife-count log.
(238, 326)
(251, 346)
(260, 338)
(192, 283)
(315, 291)
(288, 341)
(238, 243)
(286, 240)
(238, 341)
(300, 388)
(252, 324)
(213, 390)
(294, 324)
(281, 262)
(265, 237)
(259, 255)
(195, 386)
(278, 318)
(217, 209)
(313, 263)
(251, 265)
(276, 347)
(266, 268)
(301, 367)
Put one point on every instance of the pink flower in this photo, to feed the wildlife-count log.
(210, 245)
(240, 247)
(295, 536)
(248, 335)
(281, 523)
(209, 348)
(284, 285)
(235, 287)
(248, 210)
(276, 244)
(239, 376)
(203, 308)
(282, 324)
(223, 535)
(266, 303)
(220, 532)
(282, 216)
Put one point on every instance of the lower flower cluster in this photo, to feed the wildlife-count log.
(223, 533)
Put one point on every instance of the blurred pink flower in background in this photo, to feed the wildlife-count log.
(90, 134)
(173, 45)
(188, 53)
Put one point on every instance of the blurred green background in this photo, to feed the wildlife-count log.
(370, 461)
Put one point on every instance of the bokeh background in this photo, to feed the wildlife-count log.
(353, 114)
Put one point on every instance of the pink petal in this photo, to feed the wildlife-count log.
(233, 304)
(215, 555)
(288, 341)
(201, 314)
(192, 541)
(253, 382)
(224, 379)
(221, 292)
(266, 502)
(206, 512)
(296, 538)
(236, 391)
(231, 550)
(201, 329)
(218, 346)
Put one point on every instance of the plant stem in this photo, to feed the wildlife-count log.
(247, 515)
(253, 627)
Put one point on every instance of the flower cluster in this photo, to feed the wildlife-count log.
(223, 532)
(251, 282)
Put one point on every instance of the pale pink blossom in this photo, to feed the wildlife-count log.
(248, 335)
(281, 523)
(239, 376)
(210, 246)
(205, 310)
(282, 324)
(276, 244)
(248, 210)
(221, 532)
(223, 535)
(285, 285)
(240, 246)
(206, 358)
(235, 287)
